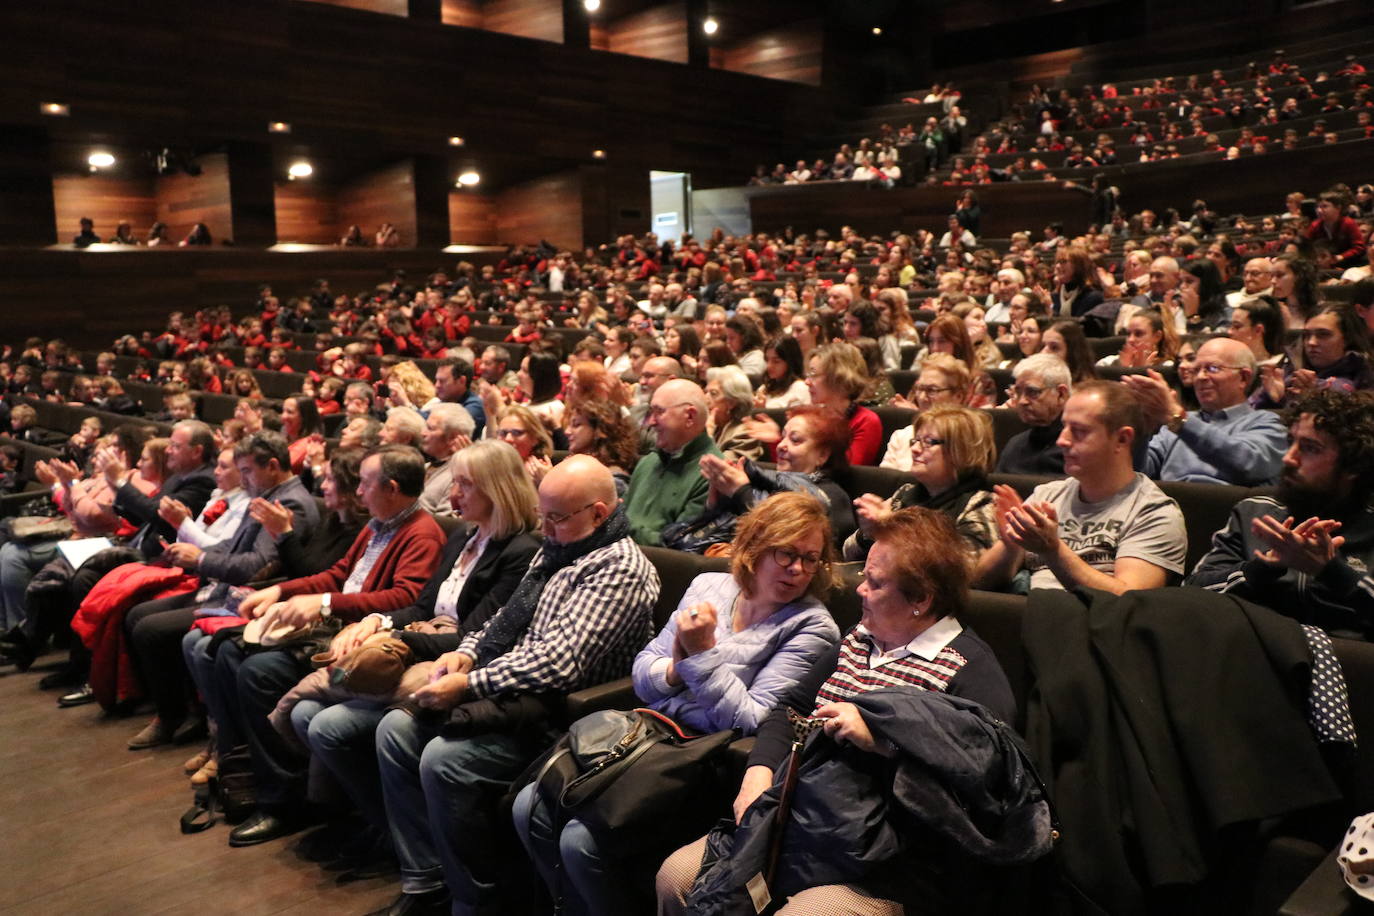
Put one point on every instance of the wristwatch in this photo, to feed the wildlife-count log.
(1176, 420)
(325, 601)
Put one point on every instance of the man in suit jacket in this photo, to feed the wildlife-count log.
(155, 628)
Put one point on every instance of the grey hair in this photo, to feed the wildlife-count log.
(734, 384)
(455, 419)
(1050, 369)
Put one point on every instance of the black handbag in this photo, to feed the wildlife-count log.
(617, 771)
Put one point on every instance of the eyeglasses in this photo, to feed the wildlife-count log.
(511, 433)
(931, 390)
(1026, 392)
(553, 518)
(1213, 368)
(658, 412)
(786, 556)
(925, 442)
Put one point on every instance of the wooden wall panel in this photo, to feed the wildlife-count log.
(306, 213)
(548, 208)
(387, 195)
(659, 33)
(541, 19)
(471, 218)
(26, 199)
(598, 38)
(184, 200)
(467, 13)
(105, 199)
(790, 53)
(390, 7)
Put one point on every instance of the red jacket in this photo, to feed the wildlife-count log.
(1347, 240)
(396, 578)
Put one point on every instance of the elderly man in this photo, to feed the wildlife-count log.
(1227, 441)
(1008, 283)
(385, 569)
(403, 426)
(667, 484)
(494, 368)
(1105, 526)
(1308, 550)
(448, 428)
(577, 619)
(1257, 279)
(358, 398)
(1040, 389)
(839, 297)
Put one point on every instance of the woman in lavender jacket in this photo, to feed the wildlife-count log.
(737, 644)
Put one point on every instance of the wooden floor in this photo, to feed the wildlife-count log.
(89, 827)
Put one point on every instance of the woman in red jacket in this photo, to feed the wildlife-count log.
(836, 376)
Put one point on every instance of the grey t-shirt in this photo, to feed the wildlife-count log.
(1139, 521)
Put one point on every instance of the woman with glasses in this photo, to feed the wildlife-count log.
(916, 581)
(952, 452)
(738, 644)
(949, 335)
(520, 428)
(943, 380)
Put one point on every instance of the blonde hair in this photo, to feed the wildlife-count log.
(778, 521)
(158, 449)
(533, 425)
(955, 371)
(419, 389)
(496, 469)
(967, 435)
(843, 368)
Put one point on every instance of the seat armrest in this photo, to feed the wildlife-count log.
(1323, 893)
(619, 694)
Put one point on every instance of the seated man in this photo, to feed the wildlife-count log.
(384, 570)
(1227, 441)
(1308, 550)
(578, 619)
(1105, 526)
(1039, 391)
(448, 428)
(667, 484)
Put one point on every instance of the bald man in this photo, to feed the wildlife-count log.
(667, 485)
(1257, 279)
(1227, 441)
(576, 620)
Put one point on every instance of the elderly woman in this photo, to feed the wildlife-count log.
(837, 377)
(910, 638)
(943, 380)
(730, 397)
(811, 449)
(952, 453)
(737, 645)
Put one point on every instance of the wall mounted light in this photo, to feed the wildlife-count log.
(469, 178)
(456, 141)
(710, 25)
(55, 109)
(591, 6)
(300, 169)
(598, 154)
(877, 30)
(278, 127)
(100, 159)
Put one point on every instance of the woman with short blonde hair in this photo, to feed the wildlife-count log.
(496, 470)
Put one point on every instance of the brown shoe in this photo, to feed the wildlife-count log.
(198, 761)
(153, 734)
(206, 773)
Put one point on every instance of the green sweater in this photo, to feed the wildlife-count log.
(667, 488)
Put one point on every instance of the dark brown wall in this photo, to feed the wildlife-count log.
(471, 218)
(789, 53)
(387, 195)
(659, 32)
(107, 200)
(184, 200)
(546, 208)
(306, 213)
(541, 19)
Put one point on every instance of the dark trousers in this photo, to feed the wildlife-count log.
(249, 687)
(155, 630)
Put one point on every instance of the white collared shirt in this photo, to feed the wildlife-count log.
(928, 644)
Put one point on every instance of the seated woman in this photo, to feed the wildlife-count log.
(1028, 339)
(300, 426)
(949, 334)
(952, 453)
(519, 427)
(602, 430)
(1336, 353)
(1065, 339)
(1150, 341)
(943, 380)
(738, 643)
(783, 383)
(811, 449)
(836, 377)
(730, 396)
(478, 572)
(915, 586)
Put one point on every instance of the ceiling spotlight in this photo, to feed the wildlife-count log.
(877, 30)
(710, 25)
(300, 169)
(469, 178)
(278, 127)
(56, 109)
(591, 6)
(100, 160)
(456, 141)
(598, 154)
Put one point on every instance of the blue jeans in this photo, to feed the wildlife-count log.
(18, 565)
(249, 687)
(441, 796)
(195, 647)
(570, 862)
(342, 738)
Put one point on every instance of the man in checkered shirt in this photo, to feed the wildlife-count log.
(591, 617)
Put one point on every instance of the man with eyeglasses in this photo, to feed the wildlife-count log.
(667, 484)
(1040, 389)
(1307, 551)
(1226, 441)
(577, 619)
(1257, 279)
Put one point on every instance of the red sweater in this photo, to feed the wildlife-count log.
(396, 578)
(865, 437)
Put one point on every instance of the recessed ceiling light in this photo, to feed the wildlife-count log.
(456, 141)
(710, 25)
(469, 178)
(300, 169)
(56, 109)
(877, 30)
(100, 160)
(598, 154)
(279, 127)
(591, 6)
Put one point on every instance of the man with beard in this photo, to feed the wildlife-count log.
(1306, 552)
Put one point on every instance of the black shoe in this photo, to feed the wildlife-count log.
(79, 697)
(66, 676)
(430, 903)
(21, 657)
(262, 828)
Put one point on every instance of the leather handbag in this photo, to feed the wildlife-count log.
(617, 771)
(374, 668)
